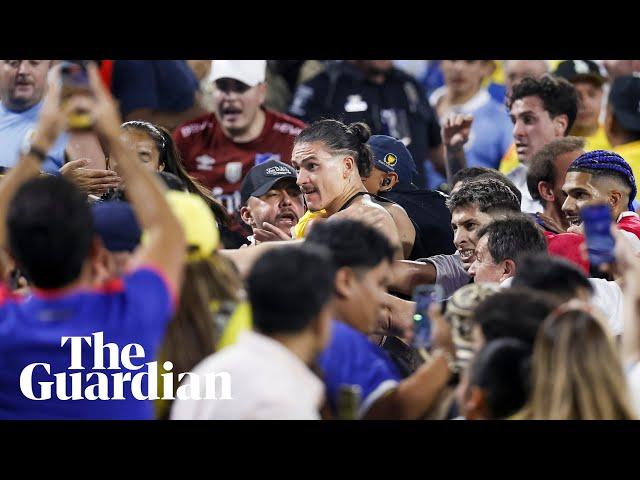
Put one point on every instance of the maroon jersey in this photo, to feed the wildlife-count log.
(221, 164)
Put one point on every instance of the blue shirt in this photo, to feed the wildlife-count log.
(490, 137)
(352, 359)
(164, 85)
(135, 309)
(14, 126)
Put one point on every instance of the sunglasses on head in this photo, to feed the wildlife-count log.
(228, 85)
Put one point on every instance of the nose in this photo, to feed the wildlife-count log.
(302, 178)
(518, 130)
(285, 199)
(569, 206)
(23, 67)
(459, 236)
(473, 268)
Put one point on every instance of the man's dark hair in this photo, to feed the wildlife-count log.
(487, 193)
(542, 162)
(352, 243)
(550, 274)
(288, 287)
(558, 96)
(50, 231)
(512, 237)
(479, 173)
(502, 369)
(339, 137)
(513, 312)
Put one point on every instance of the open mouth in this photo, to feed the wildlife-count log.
(287, 219)
(521, 148)
(231, 113)
(467, 255)
(574, 221)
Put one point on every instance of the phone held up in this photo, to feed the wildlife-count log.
(424, 296)
(596, 221)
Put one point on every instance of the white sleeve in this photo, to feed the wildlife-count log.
(634, 241)
(607, 296)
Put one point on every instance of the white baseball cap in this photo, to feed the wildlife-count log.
(251, 72)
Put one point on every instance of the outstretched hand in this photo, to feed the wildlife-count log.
(456, 129)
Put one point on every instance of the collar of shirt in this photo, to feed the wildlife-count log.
(31, 112)
(626, 214)
(280, 356)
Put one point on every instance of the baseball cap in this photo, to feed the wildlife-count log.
(261, 178)
(116, 225)
(574, 70)
(198, 222)
(390, 155)
(624, 97)
(250, 72)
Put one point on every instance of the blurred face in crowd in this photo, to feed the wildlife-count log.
(236, 105)
(281, 206)
(143, 146)
(581, 188)
(322, 175)
(464, 77)
(22, 82)
(561, 165)
(485, 269)
(466, 222)
(589, 104)
(533, 127)
(516, 70)
(362, 292)
(619, 68)
(108, 265)
(374, 66)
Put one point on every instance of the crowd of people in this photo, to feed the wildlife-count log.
(357, 239)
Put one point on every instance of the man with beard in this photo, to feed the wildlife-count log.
(271, 201)
(220, 148)
(387, 99)
(606, 177)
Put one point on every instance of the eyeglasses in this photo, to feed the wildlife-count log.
(228, 85)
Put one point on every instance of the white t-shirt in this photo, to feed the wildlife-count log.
(519, 178)
(607, 297)
(268, 382)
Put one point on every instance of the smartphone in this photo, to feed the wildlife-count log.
(596, 221)
(424, 296)
(75, 80)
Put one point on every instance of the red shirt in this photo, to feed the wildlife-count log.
(221, 164)
(630, 223)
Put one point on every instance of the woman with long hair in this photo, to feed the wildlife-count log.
(212, 301)
(576, 370)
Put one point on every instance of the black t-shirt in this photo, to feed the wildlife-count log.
(429, 213)
(398, 108)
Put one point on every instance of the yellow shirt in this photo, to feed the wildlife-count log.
(597, 141)
(631, 153)
(510, 160)
(301, 226)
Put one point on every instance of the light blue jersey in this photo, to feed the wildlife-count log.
(14, 126)
(490, 137)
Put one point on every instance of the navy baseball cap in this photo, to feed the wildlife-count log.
(576, 70)
(390, 155)
(261, 178)
(116, 225)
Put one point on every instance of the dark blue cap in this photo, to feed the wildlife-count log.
(390, 155)
(116, 225)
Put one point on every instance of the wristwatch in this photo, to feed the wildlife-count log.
(27, 148)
